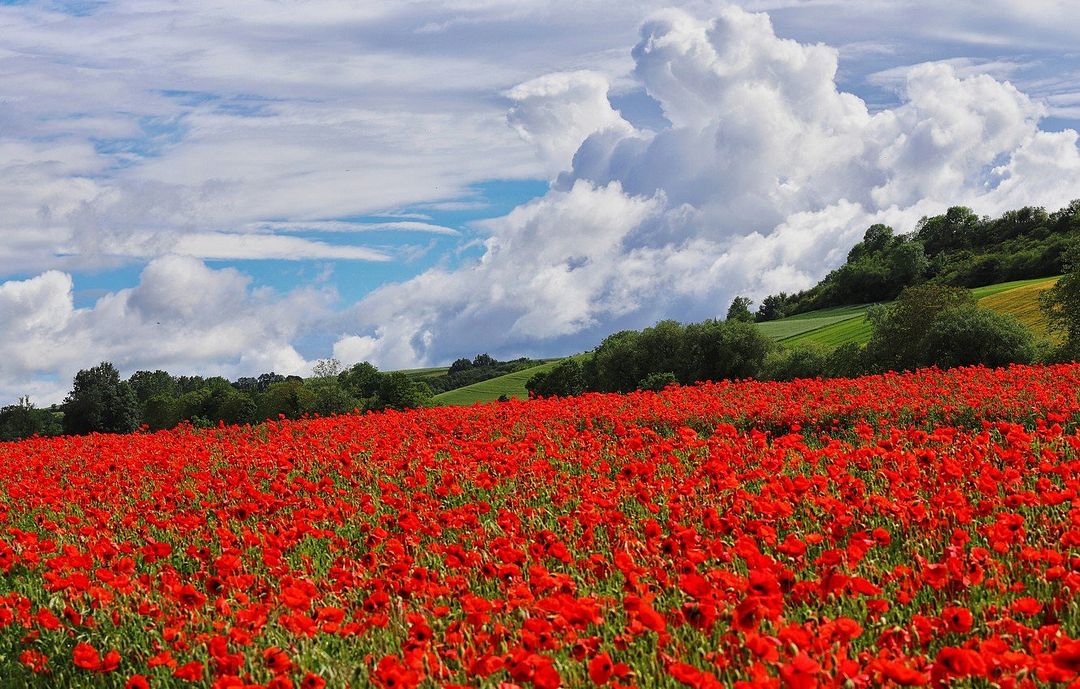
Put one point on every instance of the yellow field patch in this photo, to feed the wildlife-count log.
(1022, 302)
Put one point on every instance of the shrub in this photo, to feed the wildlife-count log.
(969, 335)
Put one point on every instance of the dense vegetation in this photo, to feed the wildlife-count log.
(482, 367)
(927, 325)
(957, 248)
(100, 401)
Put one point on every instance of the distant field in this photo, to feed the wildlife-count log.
(990, 290)
(511, 385)
(425, 373)
(831, 328)
(788, 328)
(1022, 302)
(855, 329)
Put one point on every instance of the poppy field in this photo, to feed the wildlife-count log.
(901, 530)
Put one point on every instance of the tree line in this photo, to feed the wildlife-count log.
(957, 248)
(101, 401)
(927, 325)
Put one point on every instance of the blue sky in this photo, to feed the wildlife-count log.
(410, 182)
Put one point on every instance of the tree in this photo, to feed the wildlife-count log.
(100, 402)
(566, 379)
(719, 350)
(898, 331)
(329, 397)
(24, 420)
(968, 335)
(360, 380)
(1061, 303)
(657, 381)
(483, 360)
(238, 408)
(397, 391)
(772, 307)
(460, 365)
(614, 366)
(740, 310)
(161, 412)
(147, 384)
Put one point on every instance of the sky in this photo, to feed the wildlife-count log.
(235, 188)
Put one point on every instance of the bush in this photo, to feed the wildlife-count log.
(566, 379)
(896, 343)
(969, 335)
(795, 362)
(657, 381)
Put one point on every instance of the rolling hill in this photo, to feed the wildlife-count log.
(830, 328)
(511, 385)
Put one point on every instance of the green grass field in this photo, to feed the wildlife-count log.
(831, 328)
(511, 385)
(425, 373)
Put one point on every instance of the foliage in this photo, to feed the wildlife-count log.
(100, 402)
(1061, 303)
(740, 310)
(957, 248)
(566, 379)
(657, 381)
(968, 335)
(24, 420)
(899, 331)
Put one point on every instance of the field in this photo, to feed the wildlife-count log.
(511, 385)
(896, 530)
(830, 328)
(1022, 302)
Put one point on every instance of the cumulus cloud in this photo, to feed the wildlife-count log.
(767, 174)
(182, 316)
(556, 112)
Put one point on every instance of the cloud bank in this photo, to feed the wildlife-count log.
(766, 175)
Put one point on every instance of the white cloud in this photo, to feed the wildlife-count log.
(767, 175)
(182, 316)
(342, 226)
(556, 112)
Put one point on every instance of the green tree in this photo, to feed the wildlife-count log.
(614, 365)
(147, 384)
(330, 397)
(657, 381)
(565, 379)
(968, 335)
(24, 420)
(740, 310)
(360, 380)
(397, 391)
(1061, 303)
(460, 365)
(100, 402)
(161, 412)
(237, 408)
(896, 342)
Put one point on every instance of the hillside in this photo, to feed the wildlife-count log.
(511, 385)
(833, 327)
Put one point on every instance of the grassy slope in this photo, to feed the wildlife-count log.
(512, 385)
(1019, 297)
(425, 373)
(1022, 302)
